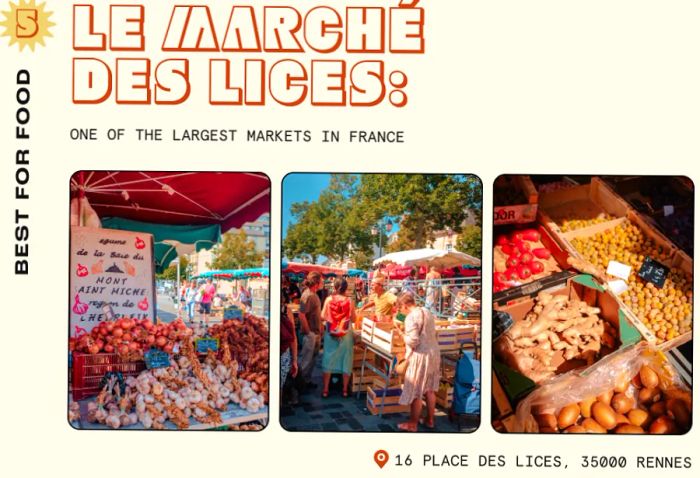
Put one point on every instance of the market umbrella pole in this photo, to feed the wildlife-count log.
(177, 285)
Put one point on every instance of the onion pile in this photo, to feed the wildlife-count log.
(131, 337)
(248, 341)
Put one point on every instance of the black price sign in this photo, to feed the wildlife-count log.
(156, 359)
(653, 271)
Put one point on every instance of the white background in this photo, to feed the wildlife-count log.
(522, 86)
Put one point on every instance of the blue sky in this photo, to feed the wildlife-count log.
(298, 187)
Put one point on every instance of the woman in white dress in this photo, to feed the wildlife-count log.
(423, 355)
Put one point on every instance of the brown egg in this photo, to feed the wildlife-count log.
(606, 397)
(547, 430)
(657, 409)
(626, 429)
(648, 377)
(585, 407)
(649, 395)
(663, 425)
(679, 411)
(568, 416)
(621, 403)
(638, 417)
(546, 420)
(604, 415)
(575, 429)
(592, 426)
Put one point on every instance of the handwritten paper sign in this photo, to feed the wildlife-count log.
(111, 274)
(205, 344)
(156, 359)
(653, 271)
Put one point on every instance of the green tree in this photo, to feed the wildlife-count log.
(422, 203)
(236, 251)
(170, 273)
(469, 241)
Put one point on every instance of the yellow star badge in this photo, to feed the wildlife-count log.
(27, 24)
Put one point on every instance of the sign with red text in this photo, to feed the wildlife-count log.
(109, 269)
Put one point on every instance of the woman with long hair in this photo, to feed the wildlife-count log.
(338, 314)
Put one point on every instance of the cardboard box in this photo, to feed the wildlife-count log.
(518, 213)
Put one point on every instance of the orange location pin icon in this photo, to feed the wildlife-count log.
(381, 458)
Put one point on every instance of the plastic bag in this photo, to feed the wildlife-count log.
(573, 387)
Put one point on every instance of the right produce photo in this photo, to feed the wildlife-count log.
(592, 304)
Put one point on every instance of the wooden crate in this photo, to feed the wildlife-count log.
(503, 406)
(589, 201)
(676, 258)
(454, 338)
(391, 401)
(382, 335)
(359, 385)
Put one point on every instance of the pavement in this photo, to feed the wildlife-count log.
(338, 414)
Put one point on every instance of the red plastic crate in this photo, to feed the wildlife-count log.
(89, 369)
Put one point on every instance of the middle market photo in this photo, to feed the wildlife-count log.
(381, 302)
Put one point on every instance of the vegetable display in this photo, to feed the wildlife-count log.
(186, 389)
(130, 338)
(636, 407)
(520, 258)
(556, 326)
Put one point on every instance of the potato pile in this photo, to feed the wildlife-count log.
(637, 407)
(667, 312)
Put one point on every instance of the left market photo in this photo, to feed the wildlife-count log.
(169, 300)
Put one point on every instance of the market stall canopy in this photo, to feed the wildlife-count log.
(397, 272)
(429, 257)
(175, 198)
(301, 268)
(170, 241)
(236, 273)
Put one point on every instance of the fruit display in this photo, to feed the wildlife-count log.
(557, 329)
(666, 312)
(567, 225)
(519, 258)
(636, 407)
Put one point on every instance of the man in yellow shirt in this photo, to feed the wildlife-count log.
(383, 301)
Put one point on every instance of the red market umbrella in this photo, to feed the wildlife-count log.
(178, 198)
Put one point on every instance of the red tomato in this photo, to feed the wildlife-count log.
(526, 258)
(502, 240)
(524, 271)
(531, 235)
(542, 253)
(513, 261)
(536, 267)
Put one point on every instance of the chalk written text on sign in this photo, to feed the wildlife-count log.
(205, 344)
(653, 271)
(156, 359)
